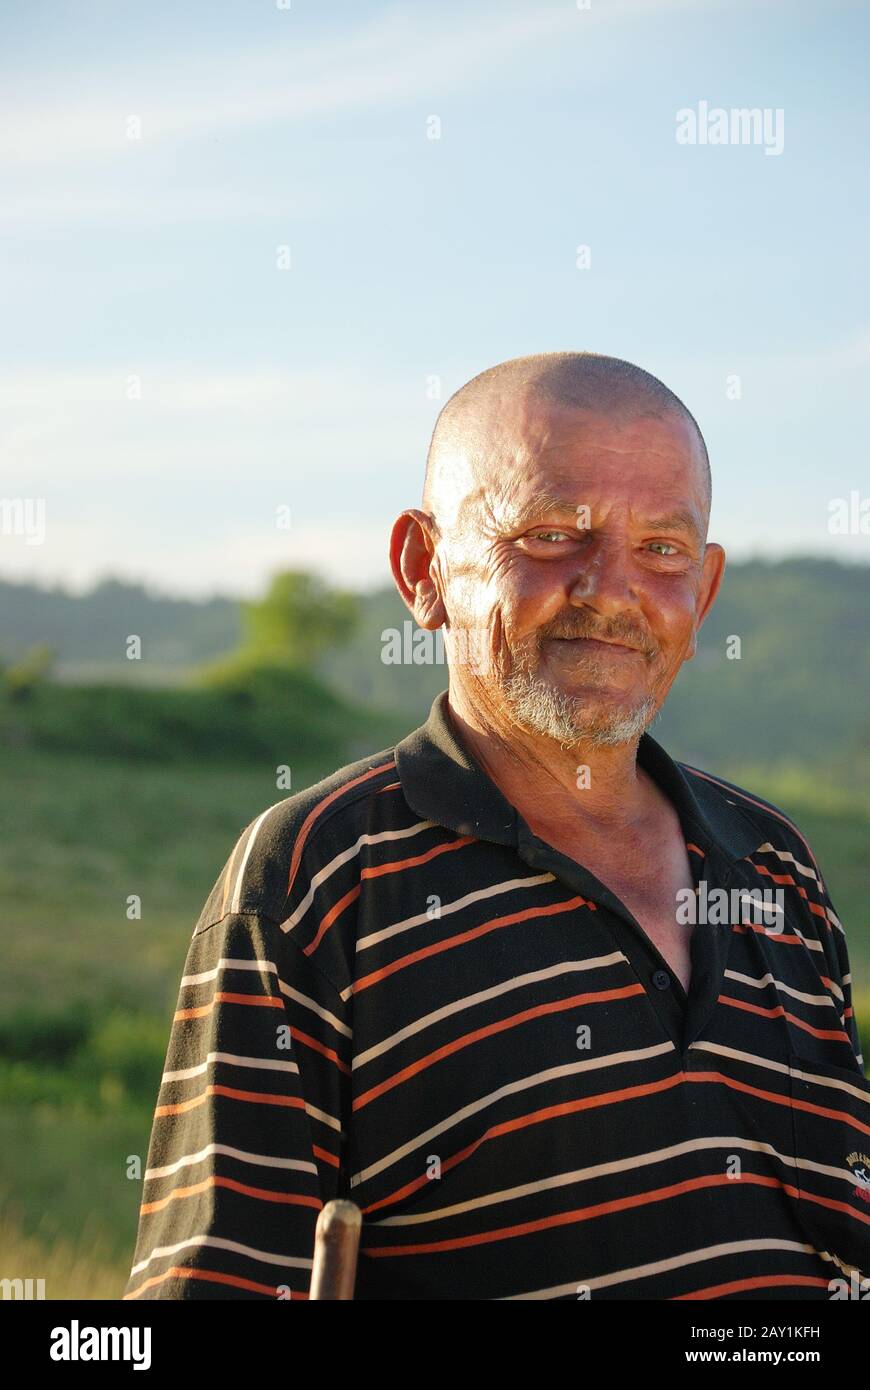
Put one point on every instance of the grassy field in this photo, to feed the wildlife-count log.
(86, 994)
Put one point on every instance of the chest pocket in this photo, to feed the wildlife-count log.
(830, 1108)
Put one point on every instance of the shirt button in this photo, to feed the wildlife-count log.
(661, 979)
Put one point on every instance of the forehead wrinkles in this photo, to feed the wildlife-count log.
(601, 461)
(502, 482)
(481, 488)
(523, 459)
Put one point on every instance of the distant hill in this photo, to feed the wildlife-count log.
(798, 695)
(88, 632)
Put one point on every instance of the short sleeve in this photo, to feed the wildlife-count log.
(248, 1132)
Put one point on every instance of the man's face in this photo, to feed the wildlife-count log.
(576, 556)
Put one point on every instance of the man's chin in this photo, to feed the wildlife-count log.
(595, 718)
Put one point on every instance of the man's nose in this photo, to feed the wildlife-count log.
(604, 580)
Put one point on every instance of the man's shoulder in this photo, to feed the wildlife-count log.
(283, 846)
(765, 826)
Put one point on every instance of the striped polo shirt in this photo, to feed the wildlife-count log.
(397, 993)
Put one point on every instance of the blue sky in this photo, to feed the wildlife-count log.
(149, 264)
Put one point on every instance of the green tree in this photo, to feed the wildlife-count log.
(298, 618)
(283, 635)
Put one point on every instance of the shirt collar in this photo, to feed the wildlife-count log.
(443, 782)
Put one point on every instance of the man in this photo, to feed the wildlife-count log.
(472, 981)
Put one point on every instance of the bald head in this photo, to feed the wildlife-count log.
(468, 427)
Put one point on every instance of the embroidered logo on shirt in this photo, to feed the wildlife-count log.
(860, 1165)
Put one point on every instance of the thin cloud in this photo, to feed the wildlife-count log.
(397, 58)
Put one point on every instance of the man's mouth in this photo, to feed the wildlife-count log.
(598, 644)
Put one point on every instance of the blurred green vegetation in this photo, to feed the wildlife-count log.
(260, 710)
(86, 993)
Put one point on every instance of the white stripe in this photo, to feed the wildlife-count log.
(517, 982)
(265, 967)
(824, 1000)
(322, 1116)
(230, 1059)
(261, 1160)
(787, 858)
(749, 1057)
(808, 873)
(219, 1243)
(312, 1110)
(511, 1088)
(315, 1009)
(734, 1247)
(753, 897)
(596, 1171)
(852, 1090)
(492, 891)
(240, 876)
(784, 1068)
(323, 874)
(834, 919)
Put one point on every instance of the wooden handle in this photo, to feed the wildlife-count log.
(336, 1243)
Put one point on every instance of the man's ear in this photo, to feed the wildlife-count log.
(412, 560)
(712, 571)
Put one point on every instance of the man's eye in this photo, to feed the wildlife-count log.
(543, 535)
(664, 546)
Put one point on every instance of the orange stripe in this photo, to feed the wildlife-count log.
(593, 1102)
(262, 1194)
(833, 1034)
(778, 1099)
(325, 1155)
(254, 1097)
(321, 806)
(335, 911)
(255, 1001)
(787, 879)
(834, 1205)
(321, 1048)
(781, 938)
(549, 1112)
(213, 1277)
(375, 871)
(546, 910)
(457, 1044)
(734, 1085)
(813, 1109)
(777, 878)
(568, 1218)
(694, 848)
(395, 866)
(758, 1281)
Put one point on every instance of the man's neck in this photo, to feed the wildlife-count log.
(602, 786)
